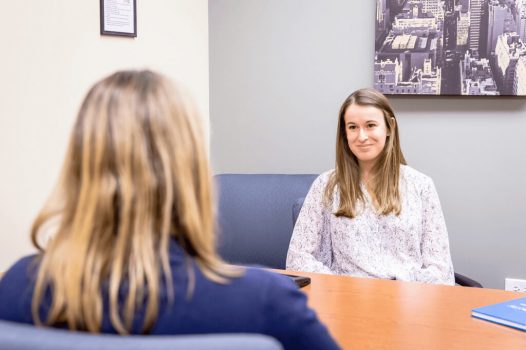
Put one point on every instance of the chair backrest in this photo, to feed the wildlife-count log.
(17, 336)
(255, 218)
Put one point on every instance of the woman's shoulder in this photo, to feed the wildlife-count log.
(24, 267)
(16, 290)
(263, 290)
(21, 273)
(414, 176)
(319, 185)
(324, 177)
(266, 279)
(326, 174)
(272, 287)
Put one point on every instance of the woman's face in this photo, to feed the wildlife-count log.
(366, 133)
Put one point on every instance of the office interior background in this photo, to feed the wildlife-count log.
(269, 76)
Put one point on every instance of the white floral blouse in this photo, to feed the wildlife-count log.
(412, 246)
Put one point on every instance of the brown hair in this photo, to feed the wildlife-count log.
(136, 173)
(385, 174)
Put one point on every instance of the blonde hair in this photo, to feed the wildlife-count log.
(385, 173)
(136, 174)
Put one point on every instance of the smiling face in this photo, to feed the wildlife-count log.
(366, 133)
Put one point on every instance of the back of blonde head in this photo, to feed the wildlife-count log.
(136, 173)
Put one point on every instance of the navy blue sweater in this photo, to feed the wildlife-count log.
(258, 302)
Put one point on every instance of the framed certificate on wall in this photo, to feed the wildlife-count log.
(118, 17)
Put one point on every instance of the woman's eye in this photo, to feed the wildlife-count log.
(352, 127)
(372, 125)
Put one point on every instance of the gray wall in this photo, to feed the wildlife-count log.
(279, 70)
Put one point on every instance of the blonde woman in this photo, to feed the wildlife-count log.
(372, 216)
(133, 249)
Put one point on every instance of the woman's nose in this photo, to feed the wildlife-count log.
(362, 135)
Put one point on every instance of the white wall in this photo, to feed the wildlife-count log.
(279, 71)
(51, 52)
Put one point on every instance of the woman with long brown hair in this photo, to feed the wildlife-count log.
(372, 216)
(132, 248)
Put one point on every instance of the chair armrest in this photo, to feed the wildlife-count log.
(466, 281)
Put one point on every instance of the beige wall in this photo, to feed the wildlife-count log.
(50, 54)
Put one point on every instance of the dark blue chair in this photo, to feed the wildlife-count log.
(255, 216)
(18, 336)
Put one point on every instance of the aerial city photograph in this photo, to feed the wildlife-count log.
(450, 47)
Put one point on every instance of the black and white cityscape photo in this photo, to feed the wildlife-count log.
(450, 47)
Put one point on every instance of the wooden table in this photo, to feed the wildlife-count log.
(366, 313)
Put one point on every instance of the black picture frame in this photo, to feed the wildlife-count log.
(108, 28)
(450, 48)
